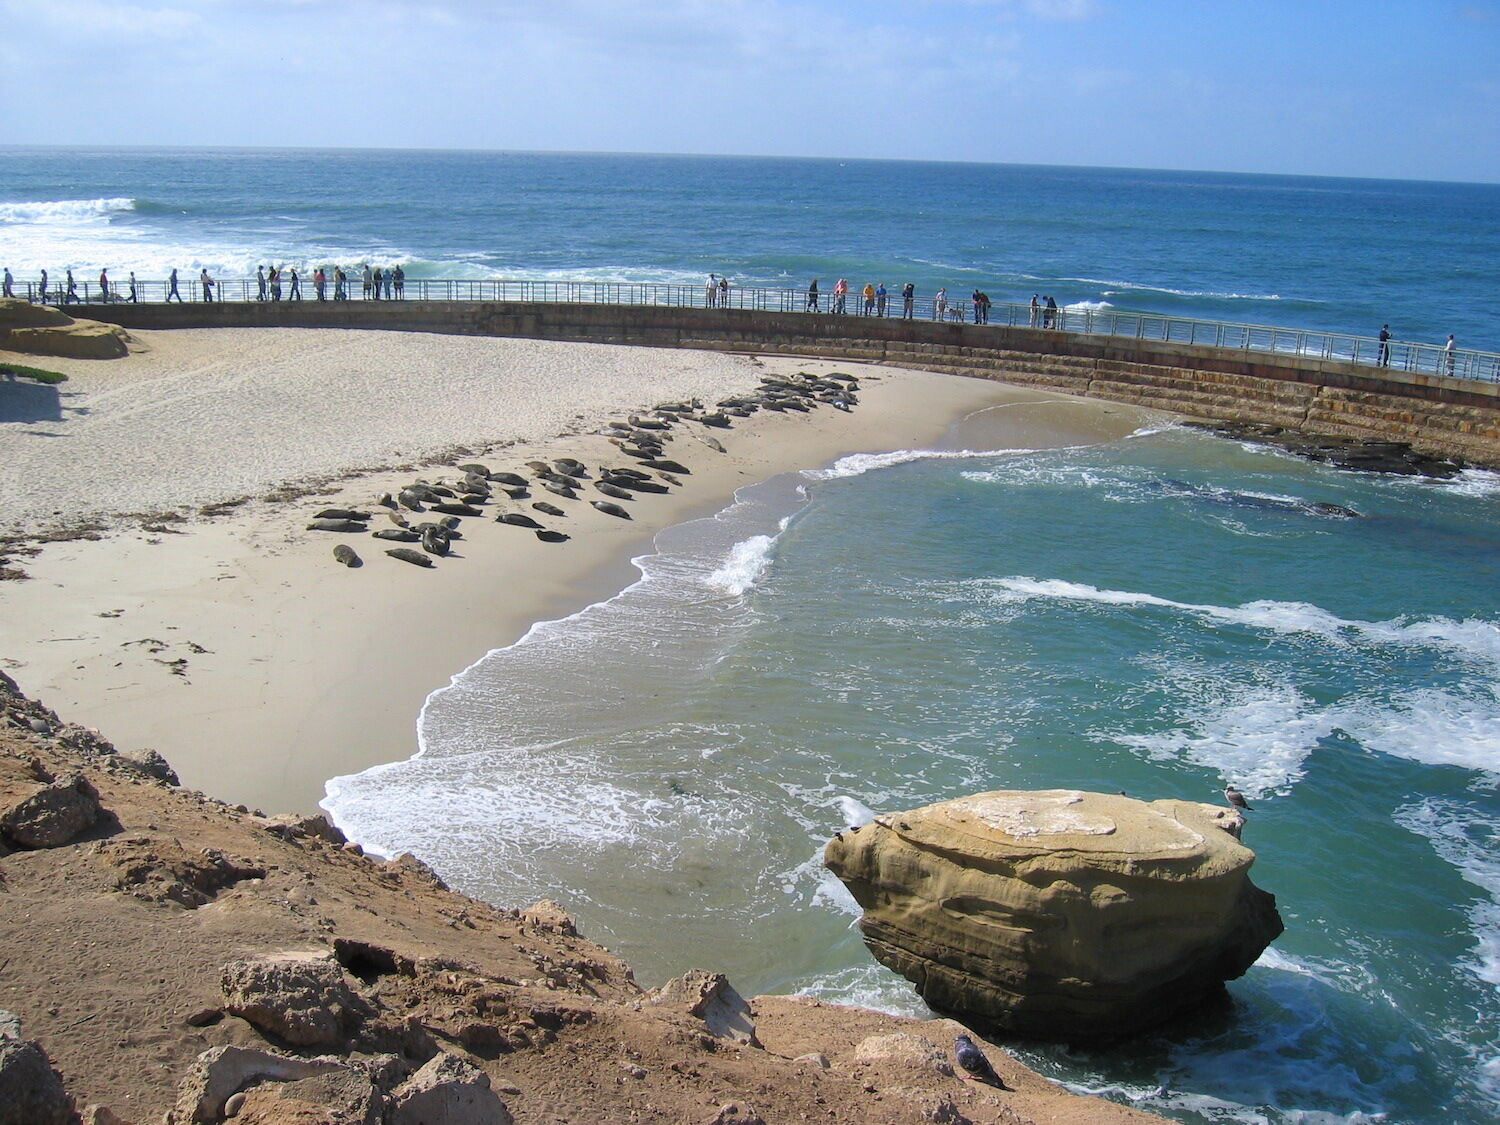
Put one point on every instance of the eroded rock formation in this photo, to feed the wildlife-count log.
(1059, 914)
(43, 330)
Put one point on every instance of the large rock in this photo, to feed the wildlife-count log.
(31, 1093)
(711, 998)
(450, 1091)
(18, 313)
(52, 814)
(1059, 914)
(301, 998)
(221, 1072)
(82, 339)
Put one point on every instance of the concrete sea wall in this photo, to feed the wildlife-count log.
(1437, 415)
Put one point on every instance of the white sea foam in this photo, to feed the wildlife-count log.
(52, 212)
(1088, 306)
(747, 561)
(1255, 737)
(1139, 287)
(855, 813)
(857, 464)
(1471, 844)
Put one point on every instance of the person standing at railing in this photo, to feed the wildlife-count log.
(104, 285)
(320, 284)
(72, 292)
(44, 287)
(812, 297)
(206, 284)
(366, 277)
(339, 279)
(940, 304)
(398, 276)
(869, 295)
(1449, 348)
(880, 299)
(385, 276)
(10, 282)
(711, 292)
(1049, 314)
(1383, 357)
(908, 300)
(840, 295)
(724, 292)
(275, 278)
(1036, 311)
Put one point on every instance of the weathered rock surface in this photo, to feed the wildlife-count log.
(1059, 914)
(31, 1093)
(42, 330)
(49, 814)
(711, 998)
(449, 1090)
(301, 998)
(222, 1072)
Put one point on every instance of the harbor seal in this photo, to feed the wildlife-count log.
(336, 525)
(667, 466)
(411, 500)
(551, 536)
(570, 468)
(560, 490)
(345, 554)
(610, 509)
(435, 541)
(341, 514)
(612, 490)
(396, 534)
(475, 469)
(517, 519)
(548, 509)
(406, 554)
(515, 480)
(457, 509)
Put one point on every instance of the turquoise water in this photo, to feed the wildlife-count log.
(1162, 615)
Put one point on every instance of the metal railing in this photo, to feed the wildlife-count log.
(1402, 355)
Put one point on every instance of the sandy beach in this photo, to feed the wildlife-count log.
(234, 644)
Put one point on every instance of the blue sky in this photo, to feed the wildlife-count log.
(1406, 90)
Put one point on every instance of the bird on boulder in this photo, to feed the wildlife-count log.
(975, 1064)
(1236, 798)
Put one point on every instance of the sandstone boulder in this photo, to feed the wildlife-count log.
(51, 814)
(450, 1091)
(1059, 914)
(711, 998)
(151, 763)
(31, 1093)
(301, 998)
(338, 1097)
(79, 339)
(18, 313)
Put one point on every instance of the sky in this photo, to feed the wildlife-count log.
(1405, 90)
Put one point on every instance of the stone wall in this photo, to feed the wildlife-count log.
(1446, 417)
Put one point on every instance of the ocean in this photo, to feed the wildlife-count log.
(1163, 614)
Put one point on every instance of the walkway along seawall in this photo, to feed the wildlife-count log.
(1435, 414)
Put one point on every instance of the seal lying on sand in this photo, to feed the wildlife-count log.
(516, 519)
(341, 514)
(548, 509)
(611, 490)
(345, 554)
(398, 534)
(336, 525)
(551, 536)
(610, 509)
(406, 554)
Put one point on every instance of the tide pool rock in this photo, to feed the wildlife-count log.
(1058, 914)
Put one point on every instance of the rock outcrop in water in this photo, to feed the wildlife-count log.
(1059, 914)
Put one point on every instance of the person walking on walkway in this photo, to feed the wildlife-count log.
(10, 282)
(260, 283)
(320, 284)
(1450, 347)
(812, 297)
(132, 287)
(72, 293)
(275, 283)
(908, 300)
(206, 283)
(172, 288)
(840, 295)
(104, 285)
(296, 293)
(339, 279)
(1383, 358)
(44, 287)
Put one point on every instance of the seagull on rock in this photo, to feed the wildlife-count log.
(1236, 798)
(975, 1064)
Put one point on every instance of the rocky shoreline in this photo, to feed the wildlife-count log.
(172, 958)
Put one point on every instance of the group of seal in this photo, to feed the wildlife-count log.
(641, 437)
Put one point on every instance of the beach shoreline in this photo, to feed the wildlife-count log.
(260, 668)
